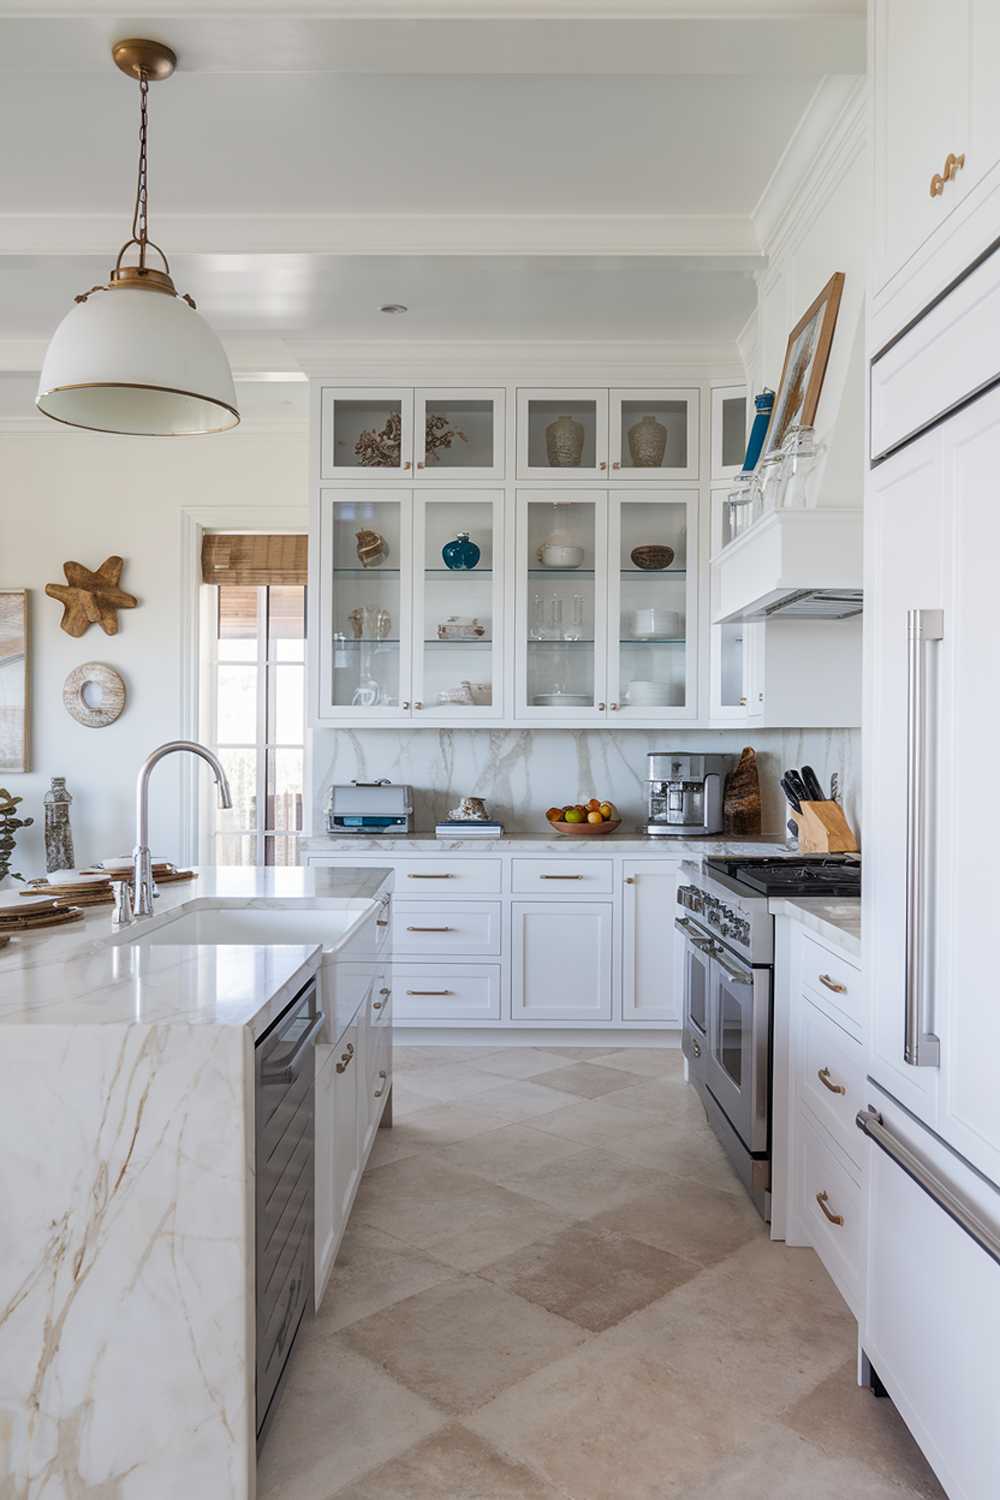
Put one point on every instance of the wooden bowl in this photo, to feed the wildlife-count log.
(652, 557)
(587, 830)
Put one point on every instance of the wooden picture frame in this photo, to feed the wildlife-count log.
(806, 355)
(15, 647)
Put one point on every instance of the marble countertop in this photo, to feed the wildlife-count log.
(77, 975)
(622, 842)
(836, 919)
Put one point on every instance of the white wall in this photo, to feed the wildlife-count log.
(82, 497)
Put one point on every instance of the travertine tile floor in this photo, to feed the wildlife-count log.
(553, 1288)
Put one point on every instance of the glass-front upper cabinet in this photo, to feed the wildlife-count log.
(654, 434)
(366, 432)
(736, 666)
(459, 433)
(561, 604)
(365, 604)
(560, 430)
(653, 604)
(729, 430)
(458, 605)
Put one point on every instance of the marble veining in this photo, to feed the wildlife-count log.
(521, 772)
(603, 846)
(838, 920)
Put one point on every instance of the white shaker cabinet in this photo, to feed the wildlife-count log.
(652, 985)
(562, 961)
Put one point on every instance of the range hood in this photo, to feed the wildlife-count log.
(791, 564)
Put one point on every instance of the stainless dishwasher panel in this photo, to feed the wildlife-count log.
(284, 1150)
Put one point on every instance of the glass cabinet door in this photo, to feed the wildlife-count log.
(654, 434)
(561, 603)
(459, 434)
(652, 609)
(458, 605)
(365, 604)
(735, 648)
(729, 430)
(367, 432)
(560, 430)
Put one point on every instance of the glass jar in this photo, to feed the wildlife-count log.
(799, 453)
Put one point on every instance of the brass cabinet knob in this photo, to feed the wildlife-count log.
(630, 880)
(603, 464)
(420, 463)
(952, 166)
(603, 707)
(405, 704)
(614, 708)
(418, 705)
(616, 464)
(407, 465)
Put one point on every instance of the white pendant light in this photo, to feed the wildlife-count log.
(133, 356)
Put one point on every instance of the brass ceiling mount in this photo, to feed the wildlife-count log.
(140, 58)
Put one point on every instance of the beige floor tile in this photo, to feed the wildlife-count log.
(581, 1054)
(681, 1148)
(587, 1080)
(373, 1270)
(442, 1124)
(520, 1098)
(518, 1062)
(391, 1145)
(595, 1280)
(590, 1182)
(779, 1465)
(647, 1061)
(454, 1464)
(461, 1343)
(446, 1082)
(612, 1423)
(846, 1421)
(340, 1414)
(592, 1122)
(698, 1223)
(658, 1099)
(504, 1154)
(433, 1055)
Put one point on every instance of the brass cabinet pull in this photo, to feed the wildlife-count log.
(430, 929)
(824, 1077)
(346, 1058)
(407, 464)
(630, 880)
(560, 877)
(430, 877)
(405, 703)
(603, 464)
(614, 708)
(429, 992)
(602, 707)
(616, 464)
(833, 984)
(377, 1004)
(420, 463)
(823, 1199)
(385, 992)
(384, 1076)
(952, 166)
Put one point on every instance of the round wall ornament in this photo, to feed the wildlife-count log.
(94, 694)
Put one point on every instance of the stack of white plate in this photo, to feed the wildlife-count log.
(647, 695)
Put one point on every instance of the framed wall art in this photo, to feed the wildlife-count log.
(14, 663)
(806, 354)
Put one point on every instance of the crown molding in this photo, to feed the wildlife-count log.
(727, 235)
(552, 362)
(827, 141)
(611, 10)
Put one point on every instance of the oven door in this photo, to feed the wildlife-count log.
(698, 950)
(738, 1053)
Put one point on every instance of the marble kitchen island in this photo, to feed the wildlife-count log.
(127, 1178)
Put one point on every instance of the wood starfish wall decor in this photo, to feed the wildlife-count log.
(91, 598)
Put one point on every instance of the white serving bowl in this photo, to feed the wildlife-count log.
(647, 624)
(647, 694)
(559, 555)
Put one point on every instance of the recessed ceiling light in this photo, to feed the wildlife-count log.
(393, 307)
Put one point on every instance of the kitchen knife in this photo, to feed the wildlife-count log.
(793, 828)
(793, 800)
(797, 785)
(812, 785)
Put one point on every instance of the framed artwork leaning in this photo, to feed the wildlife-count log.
(14, 664)
(806, 355)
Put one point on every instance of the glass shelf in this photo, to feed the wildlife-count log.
(461, 572)
(656, 640)
(557, 642)
(341, 641)
(367, 572)
(648, 573)
(654, 572)
(477, 642)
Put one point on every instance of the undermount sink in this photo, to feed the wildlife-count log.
(329, 926)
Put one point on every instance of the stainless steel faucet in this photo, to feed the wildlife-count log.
(143, 868)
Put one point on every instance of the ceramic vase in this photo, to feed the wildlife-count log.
(564, 442)
(647, 442)
(462, 554)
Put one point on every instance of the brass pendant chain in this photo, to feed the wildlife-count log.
(140, 217)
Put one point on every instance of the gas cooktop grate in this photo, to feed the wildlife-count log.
(817, 876)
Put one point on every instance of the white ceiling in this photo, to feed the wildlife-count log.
(596, 172)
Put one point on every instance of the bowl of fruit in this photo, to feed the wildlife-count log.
(584, 819)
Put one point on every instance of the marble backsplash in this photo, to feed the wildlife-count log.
(521, 772)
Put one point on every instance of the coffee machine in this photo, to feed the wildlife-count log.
(685, 793)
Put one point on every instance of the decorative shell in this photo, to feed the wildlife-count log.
(372, 550)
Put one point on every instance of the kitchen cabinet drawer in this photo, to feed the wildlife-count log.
(561, 877)
(460, 927)
(831, 980)
(451, 992)
(831, 1079)
(443, 877)
(832, 1208)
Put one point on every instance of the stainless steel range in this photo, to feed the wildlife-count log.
(728, 987)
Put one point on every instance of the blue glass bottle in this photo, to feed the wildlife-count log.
(462, 554)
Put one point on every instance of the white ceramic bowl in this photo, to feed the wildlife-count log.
(647, 624)
(563, 700)
(558, 555)
(647, 694)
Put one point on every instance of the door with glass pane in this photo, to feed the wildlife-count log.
(729, 430)
(736, 647)
(654, 434)
(458, 605)
(561, 604)
(367, 432)
(365, 604)
(562, 434)
(653, 604)
(459, 434)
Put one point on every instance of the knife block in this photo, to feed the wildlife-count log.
(823, 829)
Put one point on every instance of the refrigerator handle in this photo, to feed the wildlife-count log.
(921, 1048)
(871, 1124)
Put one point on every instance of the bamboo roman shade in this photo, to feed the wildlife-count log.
(253, 561)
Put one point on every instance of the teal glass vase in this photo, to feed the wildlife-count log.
(462, 554)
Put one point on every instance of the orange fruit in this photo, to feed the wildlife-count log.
(554, 814)
(593, 805)
(594, 817)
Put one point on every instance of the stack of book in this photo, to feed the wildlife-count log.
(467, 828)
